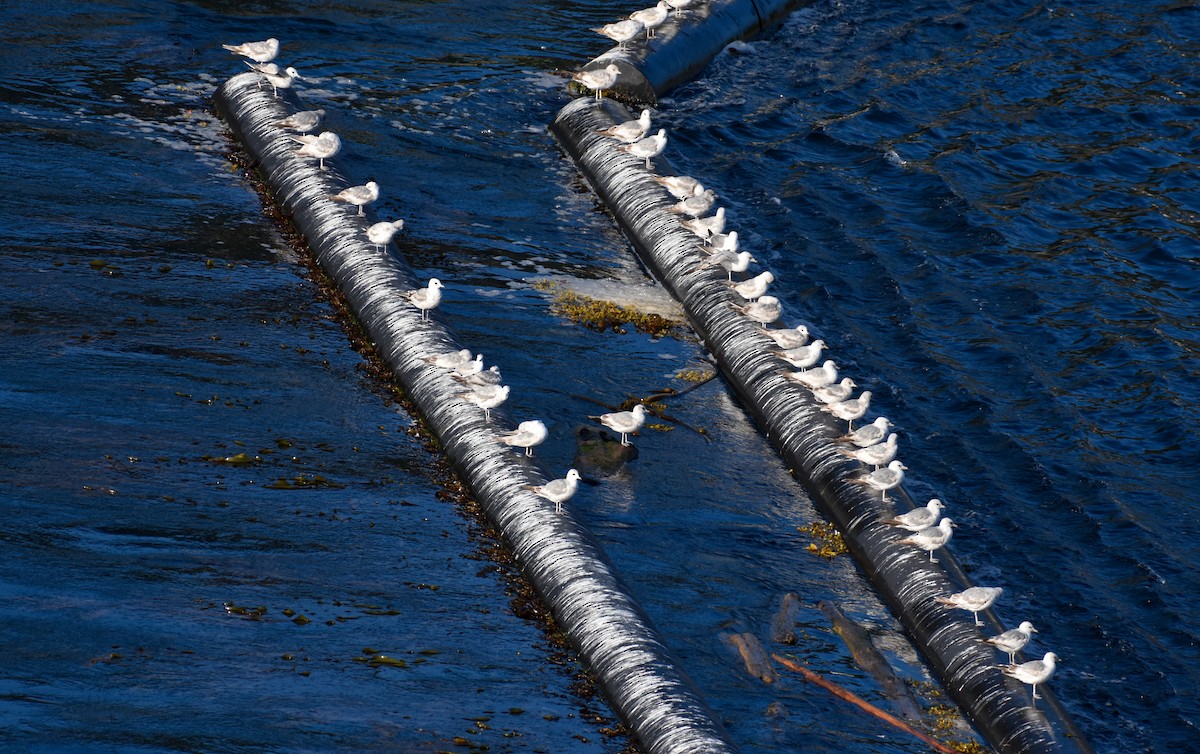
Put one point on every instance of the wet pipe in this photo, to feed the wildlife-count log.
(637, 674)
(683, 46)
(791, 419)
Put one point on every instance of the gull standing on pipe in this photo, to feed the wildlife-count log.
(486, 397)
(622, 31)
(874, 455)
(629, 131)
(884, 479)
(450, 359)
(322, 147)
(721, 242)
(680, 186)
(260, 52)
(695, 205)
(358, 195)
(557, 491)
(975, 599)
(303, 121)
(732, 261)
(931, 539)
(625, 422)
(755, 287)
(764, 311)
(679, 5)
(803, 357)
(652, 17)
(598, 80)
(838, 392)
(526, 435)
(651, 146)
(850, 410)
(918, 519)
(381, 233)
(793, 339)
(283, 80)
(707, 226)
(1034, 671)
(868, 435)
(826, 374)
(469, 367)
(428, 298)
(1013, 641)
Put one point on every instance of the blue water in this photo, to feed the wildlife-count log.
(986, 210)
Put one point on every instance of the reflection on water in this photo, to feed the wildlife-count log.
(210, 507)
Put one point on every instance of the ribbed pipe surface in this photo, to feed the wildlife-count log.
(563, 562)
(682, 47)
(791, 419)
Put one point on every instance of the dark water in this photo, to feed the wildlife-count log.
(987, 210)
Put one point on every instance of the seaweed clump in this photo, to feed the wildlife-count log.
(603, 316)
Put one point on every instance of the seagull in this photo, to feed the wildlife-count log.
(381, 234)
(722, 242)
(486, 397)
(884, 479)
(622, 31)
(1034, 671)
(358, 195)
(428, 298)
(450, 359)
(931, 539)
(526, 435)
(557, 491)
(874, 455)
(836, 393)
(975, 599)
(629, 131)
(489, 376)
(267, 69)
(919, 518)
(651, 17)
(706, 226)
(651, 146)
(469, 367)
(755, 287)
(1013, 641)
(260, 52)
(695, 205)
(680, 186)
(868, 435)
(598, 80)
(792, 339)
(625, 422)
(322, 147)
(851, 409)
(679, 5)
(803, 357)
(732, 261)
(282, 80)
(826, 374)
(303, 121)
(764, 311)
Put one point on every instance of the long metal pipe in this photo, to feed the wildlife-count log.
(791, 419)
(565, 564)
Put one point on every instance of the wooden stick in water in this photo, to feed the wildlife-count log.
(849, 696)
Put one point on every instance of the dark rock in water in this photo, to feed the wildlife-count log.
(753, 655)
(600, 454)
(783, 625)
(871, 660)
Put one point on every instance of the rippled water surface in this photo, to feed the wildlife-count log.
(222, 533)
